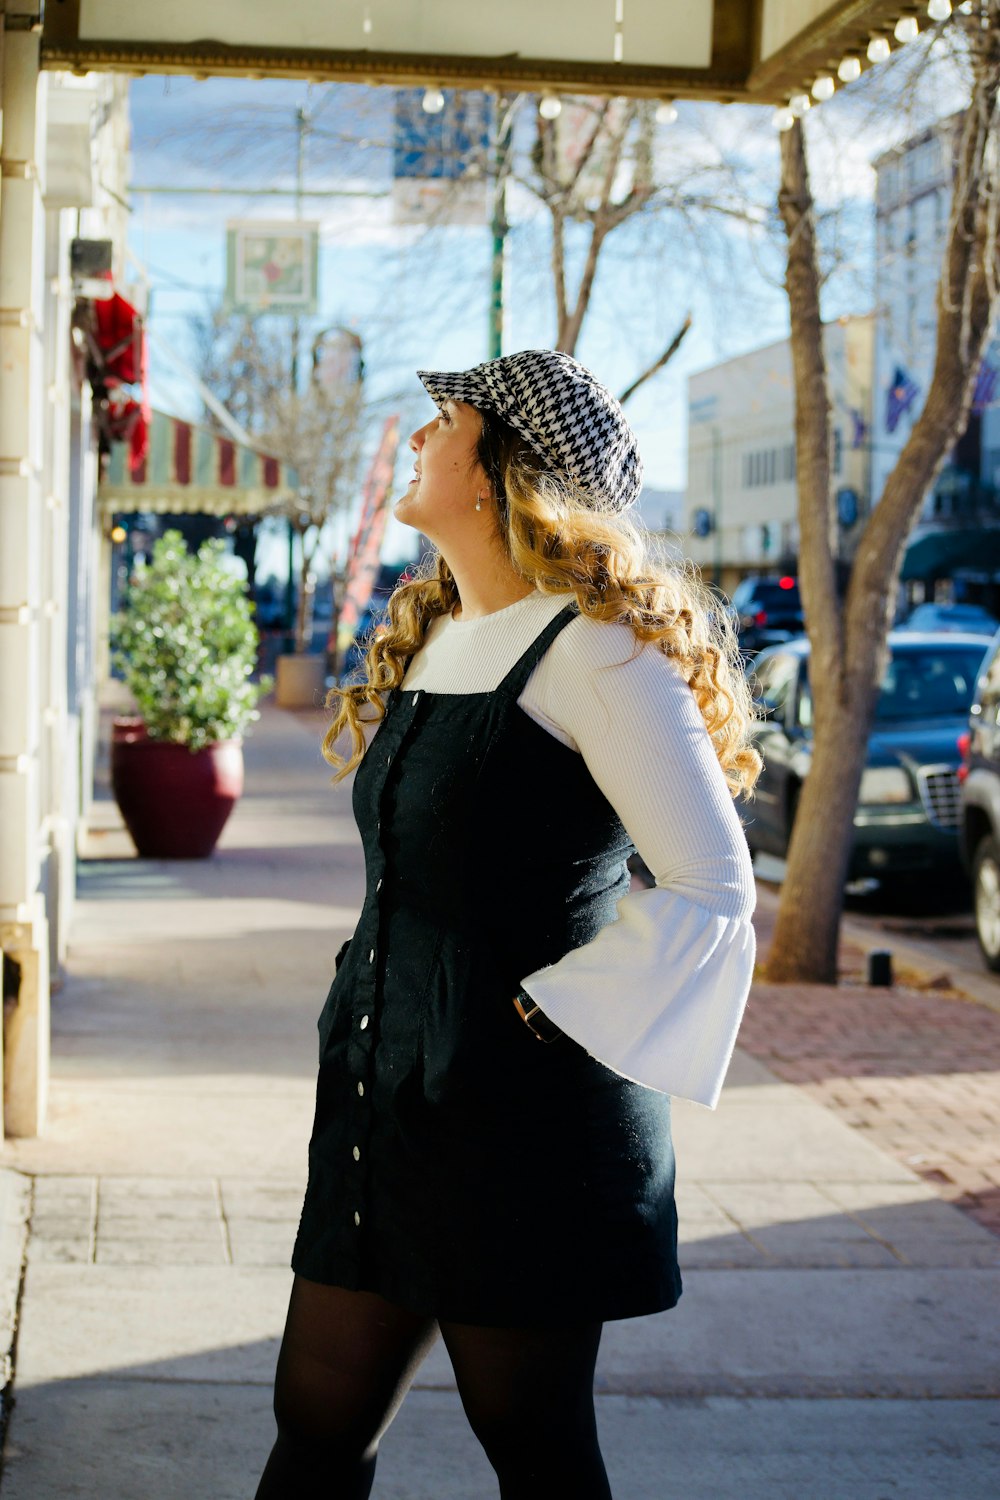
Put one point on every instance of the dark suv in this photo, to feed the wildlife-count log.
(980, 804)
(767, 611)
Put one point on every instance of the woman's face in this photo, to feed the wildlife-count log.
(440, 499)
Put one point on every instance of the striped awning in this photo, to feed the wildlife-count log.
(191, 470)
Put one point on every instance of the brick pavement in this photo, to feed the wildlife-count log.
(916, 1067)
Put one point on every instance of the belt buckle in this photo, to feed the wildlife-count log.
(536, 1020)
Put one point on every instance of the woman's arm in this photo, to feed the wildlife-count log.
(658, 994)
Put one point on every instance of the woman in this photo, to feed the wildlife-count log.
(491, 1154)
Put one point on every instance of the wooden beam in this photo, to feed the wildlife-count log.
(734, 74)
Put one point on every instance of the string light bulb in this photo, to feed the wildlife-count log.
(907, 29)
(666, 112)
(849, 69)
(879, 49)
(433, 102)
(939, 10)
(798, 104)
(824, 87)
(550, 107)
(783, 119)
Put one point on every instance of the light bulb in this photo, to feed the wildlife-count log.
(666, 112)
(906, 29)
(783, 119)
(939, 10)
(433, 102)
(549, 107)
(879, 49)
(824, 87)
(850, 68)
(798, 104)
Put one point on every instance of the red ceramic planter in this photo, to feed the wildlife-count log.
(175, 802)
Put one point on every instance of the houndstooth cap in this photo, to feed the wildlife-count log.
(566, 416)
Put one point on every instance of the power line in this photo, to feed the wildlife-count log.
(248, 192)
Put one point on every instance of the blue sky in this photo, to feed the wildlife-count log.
(419, 298)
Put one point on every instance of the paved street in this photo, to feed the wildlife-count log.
(840, 1323)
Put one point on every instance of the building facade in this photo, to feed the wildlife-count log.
(741, 504)
(63, 173)
(954, 551)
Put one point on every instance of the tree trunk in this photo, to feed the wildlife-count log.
(821, 837)
(572, 322)
(304, 615)
(848, 645)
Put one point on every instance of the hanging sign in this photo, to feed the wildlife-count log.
(272, 265)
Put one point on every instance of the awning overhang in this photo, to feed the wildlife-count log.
(757, 51)
(191, 470)
(937, 554)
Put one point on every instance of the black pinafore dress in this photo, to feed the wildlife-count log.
(459, 1166)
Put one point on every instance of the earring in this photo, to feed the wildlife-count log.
(479, 502)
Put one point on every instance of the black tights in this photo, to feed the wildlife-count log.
(347, 1360)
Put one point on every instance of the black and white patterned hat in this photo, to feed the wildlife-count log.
(567, 417)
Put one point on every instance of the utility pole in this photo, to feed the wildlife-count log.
(301, 121)
(503, 132)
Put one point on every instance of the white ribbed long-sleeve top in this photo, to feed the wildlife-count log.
(658, 994)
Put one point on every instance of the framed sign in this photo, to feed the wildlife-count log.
(272, 266)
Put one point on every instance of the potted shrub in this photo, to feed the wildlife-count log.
(187, 645)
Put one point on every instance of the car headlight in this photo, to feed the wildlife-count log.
(886, 784)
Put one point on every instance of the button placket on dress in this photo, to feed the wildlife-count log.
(367, 1001)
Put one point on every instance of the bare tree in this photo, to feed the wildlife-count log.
(320, 432)
(606, 180)
(244, 362)
(848, 639)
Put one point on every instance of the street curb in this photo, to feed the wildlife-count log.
(15, 1214)
(907, 954)
(926, 961)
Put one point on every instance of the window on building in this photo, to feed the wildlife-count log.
(838, 450)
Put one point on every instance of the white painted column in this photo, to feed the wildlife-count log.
(23, 924)
(58, 752)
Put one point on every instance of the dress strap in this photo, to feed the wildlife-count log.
(513, 683)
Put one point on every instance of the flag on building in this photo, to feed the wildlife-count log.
(859, 429)
(986, 386)
(902, 394)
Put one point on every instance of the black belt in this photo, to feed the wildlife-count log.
(535, 1019)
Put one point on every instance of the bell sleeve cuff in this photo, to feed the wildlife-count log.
(657, 995)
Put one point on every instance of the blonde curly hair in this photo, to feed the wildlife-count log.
(613, 570)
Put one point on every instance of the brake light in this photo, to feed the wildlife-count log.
(760, 618)
(964, 743)
(786, 583)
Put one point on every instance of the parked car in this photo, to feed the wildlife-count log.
(980, 805)
(964, 617)
(908, 808)
(766, 612)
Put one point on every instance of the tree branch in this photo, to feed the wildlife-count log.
(664, 358)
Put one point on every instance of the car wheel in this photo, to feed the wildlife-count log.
(986, 901)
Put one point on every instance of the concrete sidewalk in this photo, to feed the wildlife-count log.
(840, 1323)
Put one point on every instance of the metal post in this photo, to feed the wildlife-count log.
(717, 504)
(300, 143)
(300, 131)
(499, 225)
